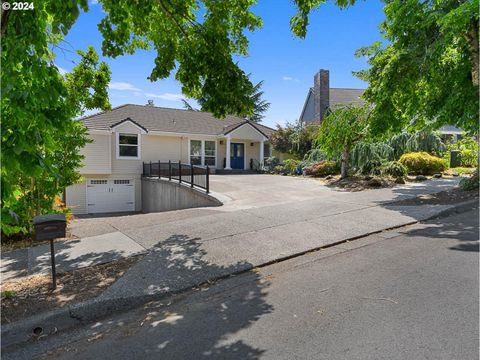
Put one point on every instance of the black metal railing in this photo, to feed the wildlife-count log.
(193, 175)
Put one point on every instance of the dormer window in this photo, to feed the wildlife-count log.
(128, 146)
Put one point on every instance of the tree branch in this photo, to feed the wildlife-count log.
(170, 15)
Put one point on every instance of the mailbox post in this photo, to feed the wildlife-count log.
(50, 227)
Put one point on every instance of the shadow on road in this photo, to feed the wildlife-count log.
(180, 327)
(463, 227)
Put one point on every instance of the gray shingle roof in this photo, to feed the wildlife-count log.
(168, 120)
(342, 96)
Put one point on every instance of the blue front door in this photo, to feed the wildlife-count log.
(237, 156)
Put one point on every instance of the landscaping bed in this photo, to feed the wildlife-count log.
(447, 197)
(28, 296)
(358, 183)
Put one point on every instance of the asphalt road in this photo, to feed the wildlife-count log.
(405, 294)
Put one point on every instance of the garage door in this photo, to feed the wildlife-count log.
(110, 195)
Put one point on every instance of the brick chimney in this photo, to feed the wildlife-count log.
(321, 93)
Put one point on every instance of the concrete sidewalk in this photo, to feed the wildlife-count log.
(69, 255)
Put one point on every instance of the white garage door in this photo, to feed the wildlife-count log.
(110, 195)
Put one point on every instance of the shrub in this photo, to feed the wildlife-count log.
(468, 151)
(269, 163)
(394, 169)
(422, 163)
(314, 155)
(279, 169)
(470, 183)
(291, 166)
(468, 158)
(322, 168)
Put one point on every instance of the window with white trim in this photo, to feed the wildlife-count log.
(195, 152)
(203, 152)
(266, 150)
(128, 146)
(209, 153)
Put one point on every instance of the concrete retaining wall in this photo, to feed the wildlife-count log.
(163, 195)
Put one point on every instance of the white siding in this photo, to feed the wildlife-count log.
(164, 148)
(252, 152)
(246, 132)
(124, 166)
(97, 159)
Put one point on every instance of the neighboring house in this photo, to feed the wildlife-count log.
(322, 97)
(126, 136)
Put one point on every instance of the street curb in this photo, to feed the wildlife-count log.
(18, 333)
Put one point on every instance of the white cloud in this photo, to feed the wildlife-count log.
(122, 86)
(289, 78)
(93, 2)
(166, 96)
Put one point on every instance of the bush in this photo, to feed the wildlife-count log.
(422, 163)
(394, 168)
(279, 169)
(468, 151)
(470, 183)
(322, 168)
(468, 158)
(291, 166)
(269, 163)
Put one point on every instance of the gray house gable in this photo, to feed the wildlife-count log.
(321, 97)
(308, 111)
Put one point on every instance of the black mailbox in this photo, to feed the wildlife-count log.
(49, 227)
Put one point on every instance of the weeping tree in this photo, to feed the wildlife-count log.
(368, 156)
(424, 140)
(341, 130)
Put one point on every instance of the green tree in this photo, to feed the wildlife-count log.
(426, 74)
(295, 139)
(340, 130)
(40, 138)
(260, 106)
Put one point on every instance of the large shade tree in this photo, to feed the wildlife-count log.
(426, 74)
(40, 138)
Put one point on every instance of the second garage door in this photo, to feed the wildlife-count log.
(105, 196)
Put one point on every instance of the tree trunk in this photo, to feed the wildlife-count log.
(472, 39)
(4, 20)
(344, 168)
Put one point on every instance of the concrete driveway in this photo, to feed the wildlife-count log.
(250, 198)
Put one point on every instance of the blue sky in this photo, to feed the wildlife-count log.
(285, 63)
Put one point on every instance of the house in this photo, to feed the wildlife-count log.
(322, 97)
(128, 135)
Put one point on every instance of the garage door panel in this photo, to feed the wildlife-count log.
(110, 195)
